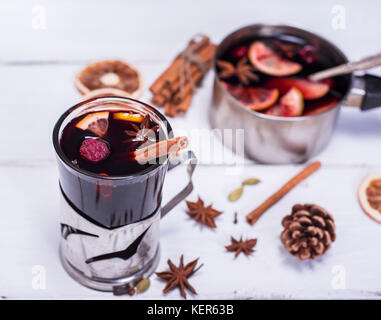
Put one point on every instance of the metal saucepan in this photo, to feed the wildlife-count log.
(280, 140)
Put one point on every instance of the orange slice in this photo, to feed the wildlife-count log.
(114, 74)
(369, 194)
(260, 99)
(310, 90)
(254, 98)
(133, 117)
(268, 62)
(290, 105)
(96, 122)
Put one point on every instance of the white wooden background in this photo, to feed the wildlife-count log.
(36, 85)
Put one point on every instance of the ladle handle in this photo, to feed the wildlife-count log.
(360, 65)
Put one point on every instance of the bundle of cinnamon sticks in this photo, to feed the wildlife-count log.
(175, 87)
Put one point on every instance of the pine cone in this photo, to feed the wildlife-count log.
(308, 231)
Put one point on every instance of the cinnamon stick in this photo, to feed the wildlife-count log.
(206, 55)
(172, 72)
(171, 75)
(159, 149)
(172, 93)
(161, 80)
(254, 215)
(180, 95)
(174, 88)
(168, 110)
(183, 106)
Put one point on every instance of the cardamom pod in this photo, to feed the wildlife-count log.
(143, 285)
(250, 181)
(236, 194)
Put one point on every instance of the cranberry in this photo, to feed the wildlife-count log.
(239, 52)
(94, 150)
(308, 54)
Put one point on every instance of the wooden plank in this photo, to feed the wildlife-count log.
(270, 273)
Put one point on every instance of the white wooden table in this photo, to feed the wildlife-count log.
(37, 67)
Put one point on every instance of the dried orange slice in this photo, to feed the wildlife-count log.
(133, 117)
(290, 105)
(115, 74)
(268, 62)
(96, 122)
(369, 195)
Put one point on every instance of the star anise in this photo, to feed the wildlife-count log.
(141, 134)
(178, 276)
(242, 246)
(202, 214)
(243, 70)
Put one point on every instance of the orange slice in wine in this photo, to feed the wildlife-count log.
(127, 116)
(290, 105)
(310, 90)
(96, 122)
(252, 97)
(268, 62)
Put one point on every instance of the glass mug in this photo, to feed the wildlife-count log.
(110, 224)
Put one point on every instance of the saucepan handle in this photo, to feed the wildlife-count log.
(372, 98)
(366, 92)
(191, 160)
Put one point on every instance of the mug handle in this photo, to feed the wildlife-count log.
(366, 92)
(191, 159)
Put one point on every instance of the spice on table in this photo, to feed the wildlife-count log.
(254, 215)
(239, 246)
(143, 285)
(204, 215)
(235, 221)
(250, 181)
(178, 276)
(308, 231)
(175, 87)
(237, 193)
(122, 290)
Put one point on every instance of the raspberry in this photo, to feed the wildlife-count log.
(94, 150)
